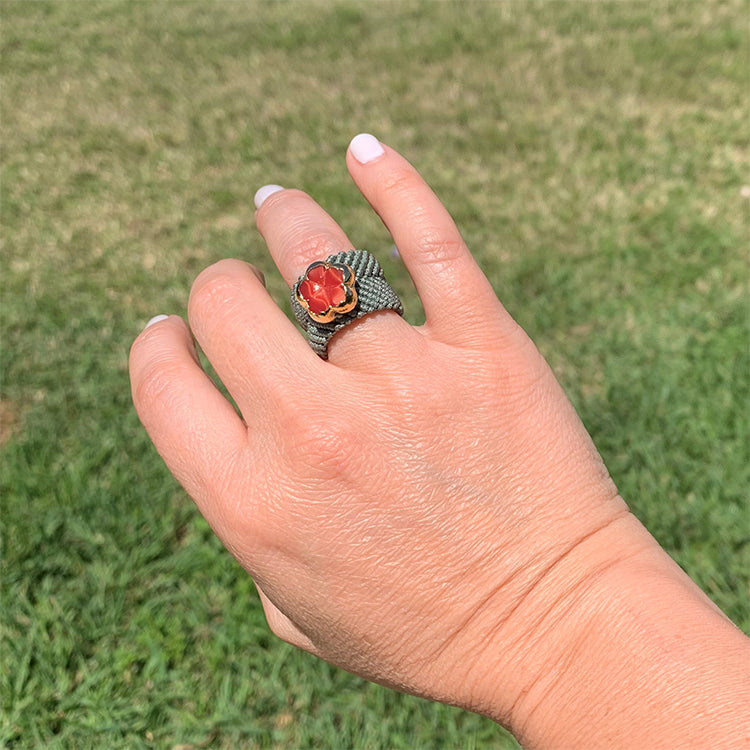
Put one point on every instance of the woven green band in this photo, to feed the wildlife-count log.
(373, 293)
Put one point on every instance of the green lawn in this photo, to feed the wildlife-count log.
(595, 155)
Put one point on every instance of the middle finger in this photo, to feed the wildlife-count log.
(299, 232)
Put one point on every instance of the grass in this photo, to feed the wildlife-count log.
(595, 156)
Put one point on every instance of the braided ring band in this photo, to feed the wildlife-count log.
(337, 291)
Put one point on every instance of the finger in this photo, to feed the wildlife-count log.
(298, 232)
(254, 348)
(194, 428)
(450, 284)
(282, 626)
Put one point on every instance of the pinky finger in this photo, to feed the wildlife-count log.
(281, 626)
(189, 421)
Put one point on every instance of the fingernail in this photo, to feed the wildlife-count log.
(365, 148)
(264, 192)
(155, 319)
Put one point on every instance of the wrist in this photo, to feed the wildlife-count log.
(622, 649)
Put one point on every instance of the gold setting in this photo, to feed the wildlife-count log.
(332, 312)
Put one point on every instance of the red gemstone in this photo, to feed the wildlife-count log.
(323, 288)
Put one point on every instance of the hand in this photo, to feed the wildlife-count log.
(421, 509)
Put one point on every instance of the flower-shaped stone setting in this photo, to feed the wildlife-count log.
(326, 291)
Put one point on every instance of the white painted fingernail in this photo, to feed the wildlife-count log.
(365, 148)
(155, 319)
(264, 192)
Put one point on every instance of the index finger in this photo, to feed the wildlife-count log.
(450, 284)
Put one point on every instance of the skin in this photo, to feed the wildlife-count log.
(425, 509)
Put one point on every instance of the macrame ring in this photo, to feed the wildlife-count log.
(337, 291)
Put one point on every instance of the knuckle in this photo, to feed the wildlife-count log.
(154, 384)
(315, 246)
(214, 287)
(438, 249)
(326, 444)
(434, 233)
(398, 183)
